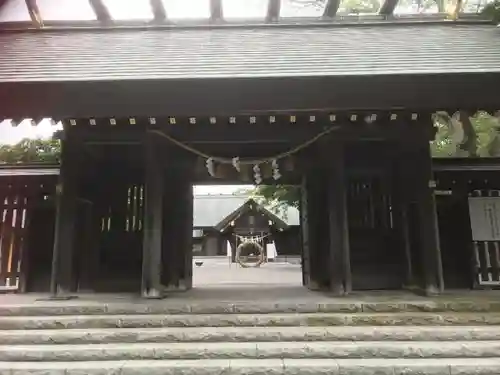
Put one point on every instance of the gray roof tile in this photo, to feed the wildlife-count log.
(242, 52)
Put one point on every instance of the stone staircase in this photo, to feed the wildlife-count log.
(158, 337)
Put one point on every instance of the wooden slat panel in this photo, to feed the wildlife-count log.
(19, 196)
(6, 233)
(17, 239)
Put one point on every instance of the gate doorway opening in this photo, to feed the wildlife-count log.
(241, 240)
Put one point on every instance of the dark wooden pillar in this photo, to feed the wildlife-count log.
(314, 226)
(177, 246)
(182, 213)
(425, 204)
(400, 214)
(153, 218)
(339, 251)
(63, 266)
(86, 248)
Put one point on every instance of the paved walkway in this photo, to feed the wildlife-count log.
(224, 274)
(218, 281)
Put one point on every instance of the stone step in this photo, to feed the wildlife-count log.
(331, 305)
(248, 334)
(445, 366)
(259, 350)
(247, 320)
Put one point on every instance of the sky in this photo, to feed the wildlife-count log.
(80, 10)
(13, 134)
(56, 10)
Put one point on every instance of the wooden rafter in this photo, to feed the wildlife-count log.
(273, 10)
(388, 7)
(457, 10)
(216, 14)
(101, 11)
(331, 8)
(34, 12)
(159, 12)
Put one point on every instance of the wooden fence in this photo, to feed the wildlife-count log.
(19, 195)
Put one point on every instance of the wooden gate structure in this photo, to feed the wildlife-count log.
(383, 237)
(149, 112)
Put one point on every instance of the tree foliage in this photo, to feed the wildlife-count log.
(31, 151)
(490, 10)
(486, 142)
(278, 196)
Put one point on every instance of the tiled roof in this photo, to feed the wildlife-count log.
(340, 50)
(209, 210)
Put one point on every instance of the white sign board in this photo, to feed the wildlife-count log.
(484, 215)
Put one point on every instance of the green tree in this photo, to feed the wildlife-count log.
(278, 196)
(492, 11)
(482, 140)
(31, 151)
(346, 6)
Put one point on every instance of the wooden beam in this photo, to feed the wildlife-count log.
(331, 8)
(273, 10)
(216, 13)
(158, 9)
(388, 7)
(101, 11)
(34, 12)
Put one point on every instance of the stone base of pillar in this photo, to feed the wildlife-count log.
(181, 287)
(337, 291)
(432, 290)
(313, 285)
(152, 293)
